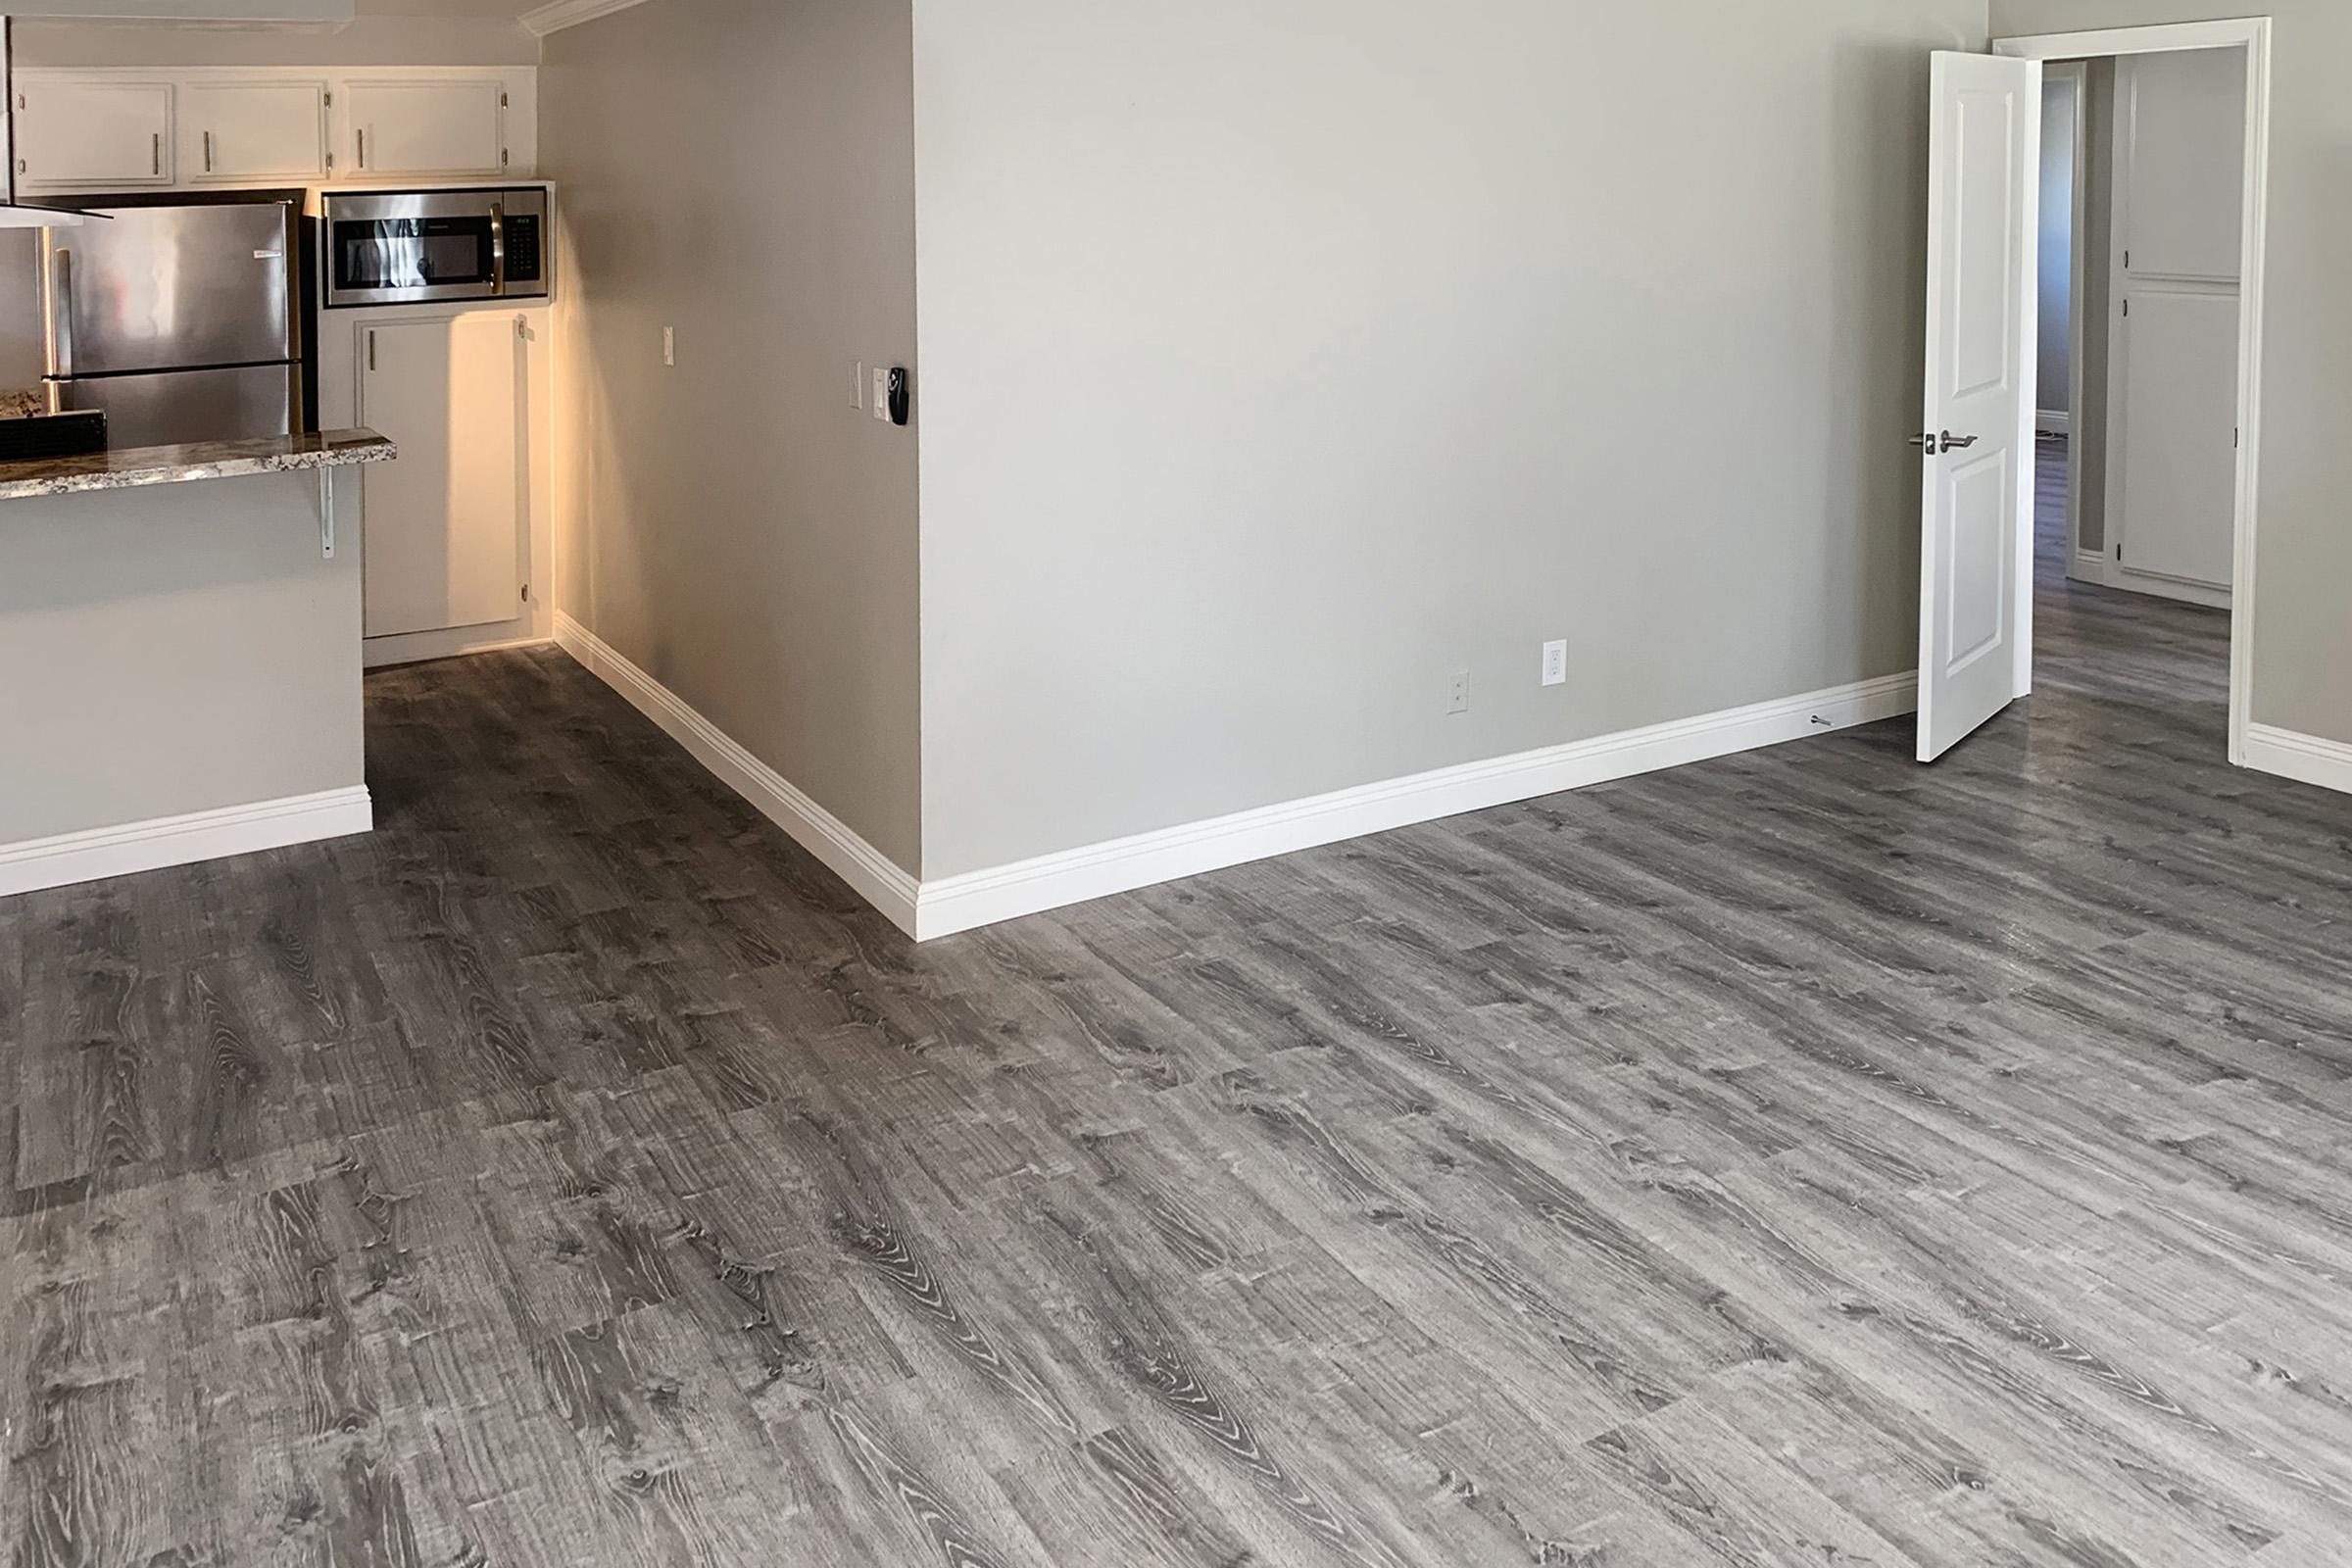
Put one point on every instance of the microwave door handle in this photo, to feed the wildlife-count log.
(61, 314)
(498, 248)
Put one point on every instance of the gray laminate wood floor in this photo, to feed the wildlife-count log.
(1805, 1158)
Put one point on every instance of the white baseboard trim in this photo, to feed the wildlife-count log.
(878, 879)
(169, 840)
(570, 14)
(2304, 758)
(985, 897)
(2053, 421)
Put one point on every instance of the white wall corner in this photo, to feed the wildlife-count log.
(154, 845)
(985, 897)
(2307, 758)
(570, 14)
(875, 878)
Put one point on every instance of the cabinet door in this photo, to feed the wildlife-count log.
(447, 527)
(425, 126)
(254, 130)
(94, 136)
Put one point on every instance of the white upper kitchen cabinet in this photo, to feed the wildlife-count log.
(94, 133)
(263, 130)
(427, 125)
(193, 128)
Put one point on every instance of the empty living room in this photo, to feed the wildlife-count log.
(1080, 783)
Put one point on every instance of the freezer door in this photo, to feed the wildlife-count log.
(163, 288)
(180, 407)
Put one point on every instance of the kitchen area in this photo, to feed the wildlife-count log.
(275, 353)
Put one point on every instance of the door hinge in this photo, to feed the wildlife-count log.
(330, 160)
(2127, 260)
(2127, 307)
(329, 100)
(504, 102)
(526, 593)
(505, 157)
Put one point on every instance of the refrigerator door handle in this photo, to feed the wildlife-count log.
(61, 314)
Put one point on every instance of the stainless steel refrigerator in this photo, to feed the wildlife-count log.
(181, 319)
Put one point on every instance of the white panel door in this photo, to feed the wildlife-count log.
(254, 130)
(447, 527)
(94, 136)
(422, 125)
(2176, 517)
(1977, 560)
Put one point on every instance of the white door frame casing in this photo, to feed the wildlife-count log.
(2253, 36)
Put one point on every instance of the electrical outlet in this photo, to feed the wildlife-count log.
(670, 346)
(857, 385)
(1457, 695)
(1555, 664)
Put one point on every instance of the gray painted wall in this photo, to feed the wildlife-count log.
(2303, 570)
(744, 171)
(2058, 108)
(170, 651)
(1282, 361)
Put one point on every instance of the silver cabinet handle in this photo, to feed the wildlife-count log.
(363, 147)
(498, 247)
(208, 152)
(61, 313)
(159, 154)
(371, 350)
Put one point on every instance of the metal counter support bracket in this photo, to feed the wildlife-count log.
(326, 514)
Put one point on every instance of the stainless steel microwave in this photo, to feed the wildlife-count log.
(397, 247)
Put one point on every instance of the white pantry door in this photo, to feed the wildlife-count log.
(1976, 613)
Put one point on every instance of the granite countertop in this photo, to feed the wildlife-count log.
(139, 467)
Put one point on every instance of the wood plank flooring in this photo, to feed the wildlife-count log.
(1803, 1158)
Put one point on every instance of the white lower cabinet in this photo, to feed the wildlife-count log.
(448, 528)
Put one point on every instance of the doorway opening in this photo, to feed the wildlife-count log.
(2155, 144)
(2142, 210)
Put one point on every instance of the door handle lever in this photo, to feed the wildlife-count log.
(1959, 443)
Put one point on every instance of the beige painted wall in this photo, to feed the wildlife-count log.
(170, 651)
(2303, 571)
(744, 170)
(1281, 361)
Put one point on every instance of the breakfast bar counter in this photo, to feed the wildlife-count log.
(179, 662)
(142, 466)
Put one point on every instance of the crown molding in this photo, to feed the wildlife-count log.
(570, 14)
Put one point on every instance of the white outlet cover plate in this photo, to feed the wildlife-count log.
(1555, 664)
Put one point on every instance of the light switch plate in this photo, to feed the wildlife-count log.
(670, 346)
(857, 385)
(882, 393)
